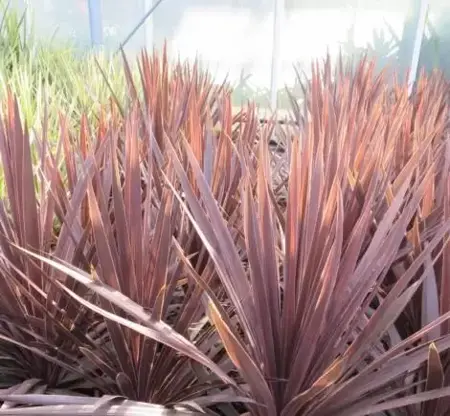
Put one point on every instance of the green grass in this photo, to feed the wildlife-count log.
(40, 72)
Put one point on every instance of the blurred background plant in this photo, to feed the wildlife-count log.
(435, 45)
(391, 50)
(244, 88)
(53, 72)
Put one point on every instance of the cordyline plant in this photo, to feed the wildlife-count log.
(114, 214)
(139, 228)
(422, 117)
(314, 335)
(40, 330)
(181, 103)
(432, 300)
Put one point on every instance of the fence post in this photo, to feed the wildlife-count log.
(95, 22)
(420, 29)
(278, 18)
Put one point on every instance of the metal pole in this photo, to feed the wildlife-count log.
(421, 22)
(278, 18)
(95, 22)
(140, 23)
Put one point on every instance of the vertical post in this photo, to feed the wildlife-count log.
(278, 18)
(95, 22)
(148, 25)
(420, 29)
